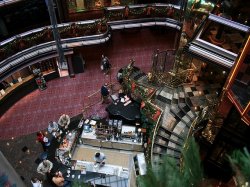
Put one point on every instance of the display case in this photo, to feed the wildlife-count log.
(140, 164)
(67, 147)
(104, 131)
(128, 132)
(111, 134)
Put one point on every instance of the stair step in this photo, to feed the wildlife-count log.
(172, 133)
(160, 104)
(159, 150)
(158, 91)
(181, 115)
(175, 98)
(187, 110)
(163, 136)
(181, 129)
(173, 153)
(169, 122)
(166, 144)
(174, 145)
(163, 99)
(176, 139)
(177, 111)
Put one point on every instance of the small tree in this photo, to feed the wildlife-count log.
(240, 163)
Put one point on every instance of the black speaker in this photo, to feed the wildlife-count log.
(78, 64)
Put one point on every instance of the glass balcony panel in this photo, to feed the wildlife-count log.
(241, 85)
(224, 36)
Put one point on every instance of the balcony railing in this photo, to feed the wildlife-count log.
(223, 51)
(156, 10)
(26, 48)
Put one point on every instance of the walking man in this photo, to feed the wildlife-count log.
(104, 93)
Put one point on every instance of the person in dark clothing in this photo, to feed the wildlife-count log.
(105, 64)
(104, 93)
(121, 94)
(41, 137)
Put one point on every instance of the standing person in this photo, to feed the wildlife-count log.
(36, 182)
(45, 167)
(105, 64)
(99, 158)
(104, 93)
(53, 129)
(59, 180)
(40, 137)
(64, 121)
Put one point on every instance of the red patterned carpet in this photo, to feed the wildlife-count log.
(68, 95)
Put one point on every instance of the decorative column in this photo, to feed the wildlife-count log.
(62, 61)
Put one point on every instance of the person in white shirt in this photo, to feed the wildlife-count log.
(53, 129)
(45, 167)
(64, 121)
(99, 158)
(36, 182)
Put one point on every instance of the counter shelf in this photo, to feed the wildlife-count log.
(85, 167)
(67, 147)
(102, 134)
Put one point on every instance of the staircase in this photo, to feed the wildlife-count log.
(181, 106)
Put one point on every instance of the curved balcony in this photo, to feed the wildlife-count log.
(8, 2)
(145, 22)
(36, 45)
(33, 46)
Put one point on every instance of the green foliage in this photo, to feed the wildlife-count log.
(240, 163)
(79, 184)
(192, 170)
(169, 174)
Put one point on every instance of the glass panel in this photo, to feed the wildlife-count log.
(223, 36)
(196, 11)
(241, 85)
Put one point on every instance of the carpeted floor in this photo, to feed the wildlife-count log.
(69, 95)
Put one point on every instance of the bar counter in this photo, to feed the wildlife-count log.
(79, 170)
(125, 143)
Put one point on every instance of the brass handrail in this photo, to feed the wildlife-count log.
(97, 101)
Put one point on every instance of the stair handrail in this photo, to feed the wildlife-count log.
(85, 108)
(156, 127)
(187, 73)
